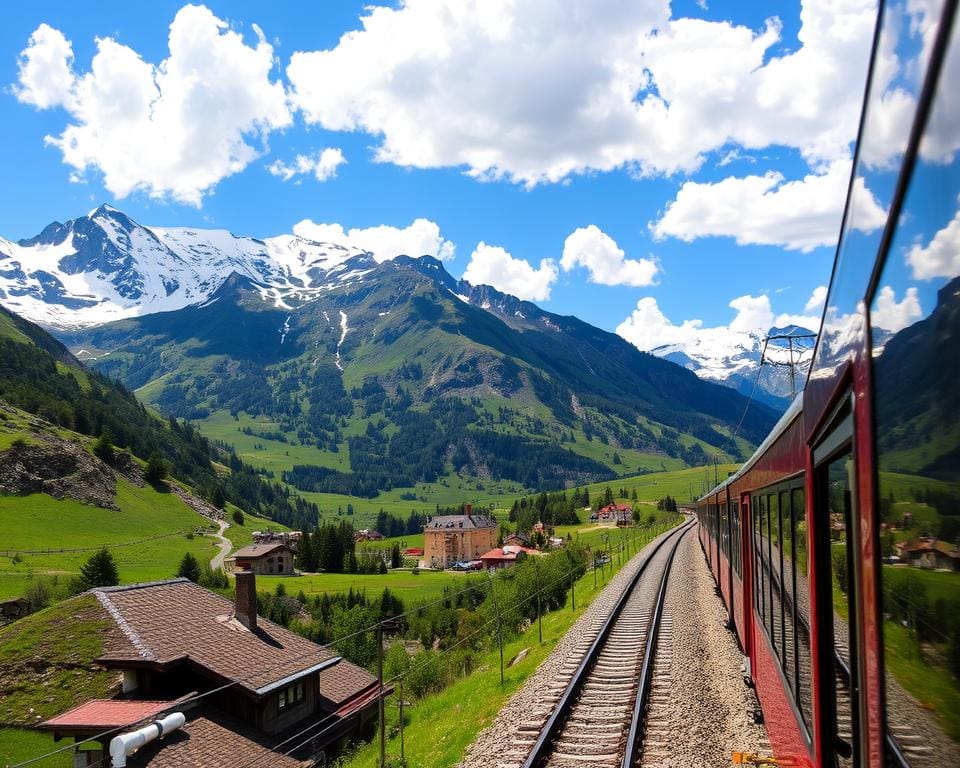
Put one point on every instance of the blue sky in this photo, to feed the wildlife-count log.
(666, 159)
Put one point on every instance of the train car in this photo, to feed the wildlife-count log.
(836, 547)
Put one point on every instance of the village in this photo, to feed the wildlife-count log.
(240, 685)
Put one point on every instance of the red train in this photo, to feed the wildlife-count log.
(836, 547)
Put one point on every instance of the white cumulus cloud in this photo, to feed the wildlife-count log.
(172, 129)
(894, 316)
(941, 256)
(816, 300)
(323, 165)
(592, 248)
(647, 327)
(768, 210)
(421, 238)
(536, 91)
(493, 265)
(45, 76)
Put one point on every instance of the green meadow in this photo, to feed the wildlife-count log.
(148, 536)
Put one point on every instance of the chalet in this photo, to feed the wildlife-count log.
(505, 556)
(618, 513)
(517, 539)
(449, 539)
(243, 684)
(367, 535)
(264, 559)
(290, 538)
(927, 552)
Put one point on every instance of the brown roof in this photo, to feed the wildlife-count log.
(260, 550)
(169, 621)
(107, 713)
(344, 681)
(460, 522)
(215, 741)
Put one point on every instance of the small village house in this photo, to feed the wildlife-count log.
(927, 552)
(505, 556)
(449, 539)
(258, 683)
(264, 559)
(367, 535)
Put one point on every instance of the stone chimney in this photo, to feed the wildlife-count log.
(470, 511)
(245, 606)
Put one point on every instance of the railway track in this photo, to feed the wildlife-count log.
(598, 719)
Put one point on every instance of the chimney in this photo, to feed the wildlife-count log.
(245, 606)
(470, 511)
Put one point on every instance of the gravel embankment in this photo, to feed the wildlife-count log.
(700, 710)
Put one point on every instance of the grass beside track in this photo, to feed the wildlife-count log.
(440, 727)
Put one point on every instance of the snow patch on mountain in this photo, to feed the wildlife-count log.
(105, 267)
(733, 359)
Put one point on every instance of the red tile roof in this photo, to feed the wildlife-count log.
(169, 621)
(107, 713)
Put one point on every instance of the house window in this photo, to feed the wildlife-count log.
(289, 696)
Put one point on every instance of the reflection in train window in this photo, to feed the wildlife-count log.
(835, 510)
(915, 339)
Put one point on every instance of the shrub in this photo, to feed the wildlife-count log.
(238, 517)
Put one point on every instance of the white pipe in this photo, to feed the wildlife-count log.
(126, 743)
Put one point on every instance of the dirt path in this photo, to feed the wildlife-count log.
(225, 546)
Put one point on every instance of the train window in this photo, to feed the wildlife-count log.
(773, 601)
(837, 544)
(802, 658)
(786, 589)
(915, 327)
(735, 538)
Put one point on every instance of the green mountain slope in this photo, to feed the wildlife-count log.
(405, 376)
(39, 376)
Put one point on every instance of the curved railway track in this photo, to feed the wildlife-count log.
(599, 718)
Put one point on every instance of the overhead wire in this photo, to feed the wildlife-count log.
(229, 684)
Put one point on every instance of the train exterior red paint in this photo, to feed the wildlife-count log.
(832, 542)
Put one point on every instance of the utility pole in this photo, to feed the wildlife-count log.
(380, 707)
(791, 363)
(536, 569)
(403, 758)
(496, 607)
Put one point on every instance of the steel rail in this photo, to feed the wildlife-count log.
(541, 747)
(632, 750)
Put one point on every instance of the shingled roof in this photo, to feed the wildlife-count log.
(460, 522)
(260, 550)
(167, 621)
(215, 741)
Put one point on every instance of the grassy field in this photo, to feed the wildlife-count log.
(408, 586)
(277, 456)
(40, 522)
(929, 684)
(440, 727)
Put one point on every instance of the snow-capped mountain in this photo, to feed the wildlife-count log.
(105, 266)
(733, 359)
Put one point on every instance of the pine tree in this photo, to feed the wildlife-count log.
(189, 568)
(157, 469)
(99, 571)
(103, 447)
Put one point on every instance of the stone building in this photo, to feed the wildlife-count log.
(449, 539)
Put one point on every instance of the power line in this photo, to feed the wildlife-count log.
(236, 681)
